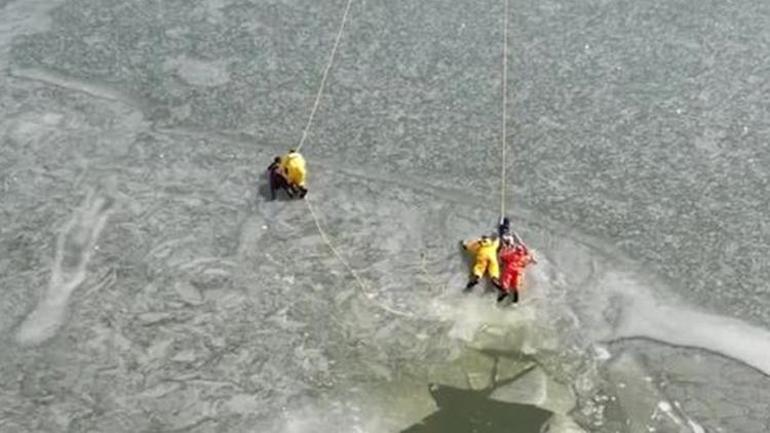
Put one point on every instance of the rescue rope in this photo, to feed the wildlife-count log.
(505, 109)
(369, 296)
(324, 76)
(359, 281)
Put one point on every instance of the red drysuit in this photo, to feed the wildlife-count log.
(513, 260)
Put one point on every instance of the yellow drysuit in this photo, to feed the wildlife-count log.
(485, 250)
(293, 166)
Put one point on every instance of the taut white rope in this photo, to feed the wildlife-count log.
(371, 297)
(325, 75)
(505, 110)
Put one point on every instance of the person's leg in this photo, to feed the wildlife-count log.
(301, 176)
(507, 280)
(288, 189)
(296, 180)
(291, 190)
(480, 267)
(502, 289)
(472, 281)
(516, 284)
(273, 187)
(493, 269)
(501, 295)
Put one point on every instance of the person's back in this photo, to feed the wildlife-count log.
(295, 167)
(485, 252)
(487, 249)
(515, 257)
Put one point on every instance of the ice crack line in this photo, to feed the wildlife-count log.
(74, 248)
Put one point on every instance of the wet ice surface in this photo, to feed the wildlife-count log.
(134, 133)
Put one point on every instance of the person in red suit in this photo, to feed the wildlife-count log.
(514, 257)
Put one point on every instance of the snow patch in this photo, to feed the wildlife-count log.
(680, 325)
(76, 244)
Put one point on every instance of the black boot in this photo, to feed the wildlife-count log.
(472, 282)
(501, 296)
(515, 296)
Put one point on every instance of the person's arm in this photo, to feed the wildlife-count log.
(532, 258)
(471, 246)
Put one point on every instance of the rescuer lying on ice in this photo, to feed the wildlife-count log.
(514, 258)
(277, 180)
(295, 170)
(484, 250)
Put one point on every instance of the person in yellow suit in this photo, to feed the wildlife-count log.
(484, 250)
(294, 167)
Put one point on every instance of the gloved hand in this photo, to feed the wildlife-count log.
(532, 256)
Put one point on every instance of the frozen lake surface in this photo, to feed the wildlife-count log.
(147, 285)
